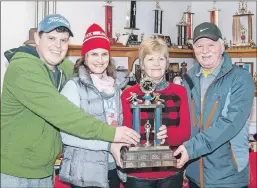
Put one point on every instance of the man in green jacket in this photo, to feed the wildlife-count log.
(33, 111)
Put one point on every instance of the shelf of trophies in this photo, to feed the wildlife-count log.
(132, 53)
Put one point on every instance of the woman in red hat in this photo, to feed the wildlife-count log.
(96, 88)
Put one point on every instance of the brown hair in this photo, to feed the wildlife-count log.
(110, 70)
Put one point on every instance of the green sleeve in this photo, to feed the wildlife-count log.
(35, 91)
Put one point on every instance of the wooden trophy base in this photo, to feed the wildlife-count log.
(142, 157)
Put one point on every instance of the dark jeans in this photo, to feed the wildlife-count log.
(194, 185)
(175, 181)
(114, 181)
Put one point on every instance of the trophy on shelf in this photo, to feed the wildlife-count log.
(185, 30)
(214, 14)
(182, 30)
(158, 15)
(108, 23)
(42, 9)
(188, 15)
(131, 24)
(242, 27)
(150, 154)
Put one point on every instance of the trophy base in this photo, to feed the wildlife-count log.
(152, 156)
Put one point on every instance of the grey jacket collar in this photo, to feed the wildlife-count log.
(120, 81)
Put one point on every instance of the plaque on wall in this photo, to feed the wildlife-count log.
(246, 65)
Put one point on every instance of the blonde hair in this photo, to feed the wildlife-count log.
(151, 46)
(110, 70)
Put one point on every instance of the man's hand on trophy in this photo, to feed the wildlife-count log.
(162, 134)
(184, 156)
(115, 150)
(126, 135)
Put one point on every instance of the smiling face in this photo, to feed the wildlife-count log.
(208, 53)
(52, 47)
(97, 60)
(154, 66)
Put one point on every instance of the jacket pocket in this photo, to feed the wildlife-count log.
(44, 149)
(81, 167)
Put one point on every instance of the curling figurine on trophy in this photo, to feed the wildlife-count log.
(152, 153)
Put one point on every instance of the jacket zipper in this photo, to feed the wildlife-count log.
(200, 127)
(60, 81)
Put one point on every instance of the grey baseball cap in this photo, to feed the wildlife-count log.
(207, 30)
(52, 21)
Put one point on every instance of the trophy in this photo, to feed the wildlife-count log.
(214, 14)
(158, 14)
(46, 7)
(242, 27)
(189, 23)
(150, 154)
(131, 24)
(108, 20)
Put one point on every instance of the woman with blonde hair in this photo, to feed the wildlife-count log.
(153, 59)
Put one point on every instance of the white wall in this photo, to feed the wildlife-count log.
(17, 17)
(82, 14)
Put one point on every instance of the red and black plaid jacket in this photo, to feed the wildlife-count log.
(175, 116)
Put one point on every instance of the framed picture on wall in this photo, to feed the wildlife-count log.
(174, 67)
(246, 65)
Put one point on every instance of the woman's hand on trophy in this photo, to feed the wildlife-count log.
(162, 134)
(115, 150)
(126, 135)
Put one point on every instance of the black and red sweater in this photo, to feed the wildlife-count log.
(175, 116)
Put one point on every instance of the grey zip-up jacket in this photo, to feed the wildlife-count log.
(218, 147)
(86, 162)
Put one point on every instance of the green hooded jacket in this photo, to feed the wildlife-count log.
(32, 113)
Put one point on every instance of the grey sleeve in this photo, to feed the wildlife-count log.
(71, 92)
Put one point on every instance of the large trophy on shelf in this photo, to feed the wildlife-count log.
(242, 27)
(214, 14)
(150, 154)
(42, 9)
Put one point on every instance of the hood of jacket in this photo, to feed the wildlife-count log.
(27, 49)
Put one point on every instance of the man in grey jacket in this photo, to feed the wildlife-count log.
(221, 97)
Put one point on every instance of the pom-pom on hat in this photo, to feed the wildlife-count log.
(95, 37)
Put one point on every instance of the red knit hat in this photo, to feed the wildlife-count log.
(95, 37)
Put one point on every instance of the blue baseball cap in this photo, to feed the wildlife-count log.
(52, 21)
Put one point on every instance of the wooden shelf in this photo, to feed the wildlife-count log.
(132, 53)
